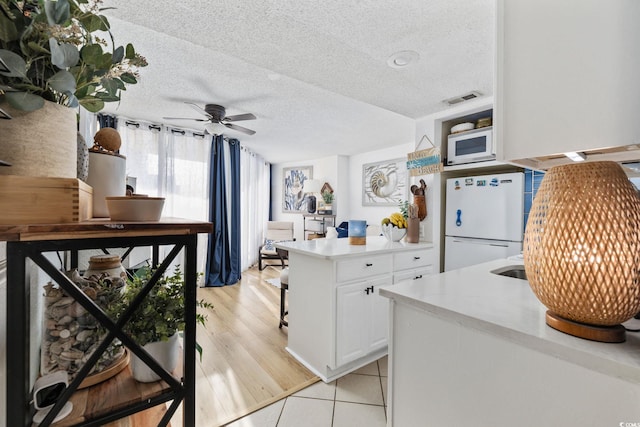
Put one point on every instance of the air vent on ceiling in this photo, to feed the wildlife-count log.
(466, 97)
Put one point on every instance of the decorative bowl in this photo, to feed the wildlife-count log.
(135, 208)
(393, 233)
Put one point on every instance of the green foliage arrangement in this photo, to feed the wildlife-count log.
(327, 196)
(53, 50)
(161, 314)
(403, 205)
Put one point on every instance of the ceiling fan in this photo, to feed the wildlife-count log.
(216, 116)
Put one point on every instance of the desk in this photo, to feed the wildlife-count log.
(320, 220)
(30, 242)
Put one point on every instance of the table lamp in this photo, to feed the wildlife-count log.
(311, 187)
(582, 249)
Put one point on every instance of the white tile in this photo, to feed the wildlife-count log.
(383, 364)
(359, 389)
(358, 415)
(385, 390)
(301, 411)
(265, 417)
(319, 390)
(370, 369)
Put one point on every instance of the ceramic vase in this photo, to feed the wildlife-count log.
(108, 177)
(166, 353)
(40, 143)
(413, 230)
(82, 171)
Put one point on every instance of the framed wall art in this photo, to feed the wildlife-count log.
(384, 183)
(293, 195)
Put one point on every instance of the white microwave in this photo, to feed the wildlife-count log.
(471, 146)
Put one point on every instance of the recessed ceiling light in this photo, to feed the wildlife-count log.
(576, 157)
(402, 59)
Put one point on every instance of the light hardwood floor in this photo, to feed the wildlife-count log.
(245, 365)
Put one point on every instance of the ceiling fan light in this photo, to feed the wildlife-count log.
(215, 128)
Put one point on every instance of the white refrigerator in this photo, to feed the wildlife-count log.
(484, 219)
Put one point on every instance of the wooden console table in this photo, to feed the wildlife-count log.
(321, 219)
(31, 242)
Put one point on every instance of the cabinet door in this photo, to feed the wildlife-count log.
(553, 93)
(379, 326)
(362, 319)
(351, 322)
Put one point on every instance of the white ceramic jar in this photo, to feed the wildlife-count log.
(109, 264)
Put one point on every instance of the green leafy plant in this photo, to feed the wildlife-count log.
(161, 314)
(327, 196)
(53, 50)
(403, 205)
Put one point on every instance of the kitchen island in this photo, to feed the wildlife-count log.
(337, 320)
(469, 347)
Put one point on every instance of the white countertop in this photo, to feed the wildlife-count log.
(506, 307)
(340, 248)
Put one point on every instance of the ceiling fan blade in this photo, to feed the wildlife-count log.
(185, 118)
(239, 128)
(198, 109)
(239, 117)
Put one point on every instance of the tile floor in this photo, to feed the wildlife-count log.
(357, 399)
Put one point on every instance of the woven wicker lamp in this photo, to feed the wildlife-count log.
(582, 249)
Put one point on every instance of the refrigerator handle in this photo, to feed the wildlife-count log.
(481, 242)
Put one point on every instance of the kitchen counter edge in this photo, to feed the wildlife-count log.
(506, 307)
(340, 248)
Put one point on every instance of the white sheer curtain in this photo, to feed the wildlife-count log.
(174, 163)
(186, 186)
(170, 163)
(254, 204)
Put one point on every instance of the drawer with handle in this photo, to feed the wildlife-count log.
(361, 267)
(409, 259)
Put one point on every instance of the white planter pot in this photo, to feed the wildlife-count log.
(164, 352)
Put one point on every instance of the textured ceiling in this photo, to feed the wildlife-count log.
(314, 73)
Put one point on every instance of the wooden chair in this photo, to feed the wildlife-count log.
(277, 231)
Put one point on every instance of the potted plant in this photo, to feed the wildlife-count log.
(327, 199)
(157, 321)
(54, 55)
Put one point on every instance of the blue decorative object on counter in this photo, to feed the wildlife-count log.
(357, 232)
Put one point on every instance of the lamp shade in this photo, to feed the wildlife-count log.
(215, 128)
(582, 245)
(312, 186)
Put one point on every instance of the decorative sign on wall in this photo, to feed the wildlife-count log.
(293, 195)
(384, 183)
(424, 162)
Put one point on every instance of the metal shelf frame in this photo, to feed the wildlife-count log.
(19, 408)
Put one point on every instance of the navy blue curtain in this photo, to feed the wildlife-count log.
(107, 121)
(223, 254)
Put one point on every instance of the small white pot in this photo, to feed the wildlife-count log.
(164, 352)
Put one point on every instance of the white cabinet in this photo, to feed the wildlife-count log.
(567, 76)
(337, 320)
(361, 326)
(411, 265)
